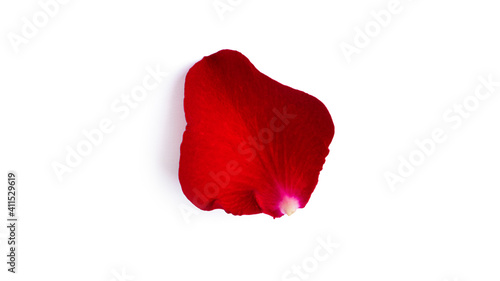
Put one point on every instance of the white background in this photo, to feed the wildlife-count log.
(122, 210)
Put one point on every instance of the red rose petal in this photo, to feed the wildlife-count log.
(251, 145)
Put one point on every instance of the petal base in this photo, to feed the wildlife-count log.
(289, 205)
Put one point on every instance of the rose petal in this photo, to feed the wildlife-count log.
(251, 145)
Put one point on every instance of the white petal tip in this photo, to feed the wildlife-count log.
(289, 205)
